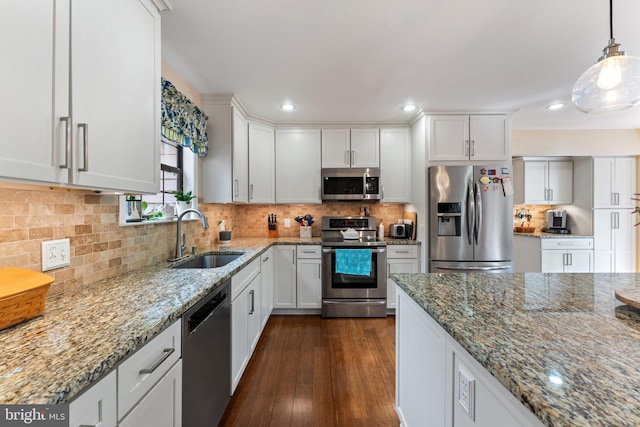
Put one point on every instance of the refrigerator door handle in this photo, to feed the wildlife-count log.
(478, 213)
(471, 212)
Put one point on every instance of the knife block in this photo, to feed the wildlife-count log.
(273, 233)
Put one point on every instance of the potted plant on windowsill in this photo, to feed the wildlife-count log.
(183, 200)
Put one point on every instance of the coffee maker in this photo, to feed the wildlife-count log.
(556, 222)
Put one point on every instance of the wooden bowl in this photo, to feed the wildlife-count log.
(524, 229)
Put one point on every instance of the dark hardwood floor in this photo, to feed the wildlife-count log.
(310, 371)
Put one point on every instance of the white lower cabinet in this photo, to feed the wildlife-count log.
(162, 406)
(245, 318)
(297, 277)
(309, 276)
(266, 274)
(614, 240)
(147, 388)
(429, 367)
(96, 406)
(573, 255)
(400, 259)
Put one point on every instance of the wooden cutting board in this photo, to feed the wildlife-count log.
(413, 216)
(629, 296)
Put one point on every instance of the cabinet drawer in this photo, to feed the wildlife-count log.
(96, 406)
(241, 279)
(140, 372)
(553, 243)
(309, 251)
(402, 251)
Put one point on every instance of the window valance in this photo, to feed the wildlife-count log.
(182, 121)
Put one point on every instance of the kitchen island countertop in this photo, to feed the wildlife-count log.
(560, 343)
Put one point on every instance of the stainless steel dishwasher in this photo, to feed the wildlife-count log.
(206, 359)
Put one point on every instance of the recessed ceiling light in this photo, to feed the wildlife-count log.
(408, 108)
(555, 106)
(288, 107)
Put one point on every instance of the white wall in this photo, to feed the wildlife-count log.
(575, 142)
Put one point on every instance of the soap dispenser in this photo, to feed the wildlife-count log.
(380, 231)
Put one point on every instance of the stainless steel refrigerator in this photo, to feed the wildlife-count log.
(471, 225)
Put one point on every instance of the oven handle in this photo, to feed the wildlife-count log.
(332, 250)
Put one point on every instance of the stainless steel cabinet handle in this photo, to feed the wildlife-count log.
(613, 198)
(617, 198)
(165, 354)
(251, 191)
(550, 194)
(294, 257)
(402, 252)
(388, 271)
(570, 259)
(253, 306)
(67, 143)
(466, 147)
(266, 259)
(473, 148)
(235, 188)
(382, 195)
(353, 157)
(318, 271)
(85, 148)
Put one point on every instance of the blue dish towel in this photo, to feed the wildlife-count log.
(356, 262)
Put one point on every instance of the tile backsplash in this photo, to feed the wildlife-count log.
(101, 248)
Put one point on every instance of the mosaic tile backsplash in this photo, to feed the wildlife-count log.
(101, 248)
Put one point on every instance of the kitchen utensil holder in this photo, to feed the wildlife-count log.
(305, 232)
(273, 233)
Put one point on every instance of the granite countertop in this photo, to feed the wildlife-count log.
(560, 343)
(540, 234)
(84, 334)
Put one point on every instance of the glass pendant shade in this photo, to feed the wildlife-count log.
(610, 85)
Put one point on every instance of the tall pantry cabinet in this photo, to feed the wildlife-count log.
(82, 84)
(613, 218)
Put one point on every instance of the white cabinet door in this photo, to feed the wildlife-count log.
(284, 278)
(254, 323)
(395, 165)
(625, 242)
(603, 243)
(266, 274)
(34, 51)
(552, 261)
(535, 182)
(239, 337)
(240, 158)
(449, 138)
(613, 182)
(162, 406)
(365, 148)
(336, 148)
(489, 138)
(309, 293)
(398, 266)
(579, 262)
(116, 95)
(96, 406)
(298, 166)
(560, 182)
(262, 184)
(614, 241)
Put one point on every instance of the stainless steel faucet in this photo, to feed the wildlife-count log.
(181, 245)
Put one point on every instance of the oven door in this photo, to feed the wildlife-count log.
(340, 286)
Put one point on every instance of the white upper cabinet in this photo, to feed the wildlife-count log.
(469, 138)
(225, 171)
(344, 148)
(101, 128)
(395, 165)
(613, 182)
(298, 166)
(543, 182)
(262, 184)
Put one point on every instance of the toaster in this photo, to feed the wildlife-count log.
(398, 231)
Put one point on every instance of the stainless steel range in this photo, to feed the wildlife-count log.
(354, 267)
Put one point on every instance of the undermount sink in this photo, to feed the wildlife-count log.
(210, 260)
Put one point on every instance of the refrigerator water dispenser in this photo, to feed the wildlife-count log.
(449, 216)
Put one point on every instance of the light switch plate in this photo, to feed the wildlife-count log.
(56, 254)
(287, 223)
(466, 391)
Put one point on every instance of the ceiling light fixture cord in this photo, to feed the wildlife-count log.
(610, 19)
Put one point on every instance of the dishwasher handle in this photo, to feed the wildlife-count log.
(202, 314)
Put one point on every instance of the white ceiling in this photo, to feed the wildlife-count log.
(359, 61)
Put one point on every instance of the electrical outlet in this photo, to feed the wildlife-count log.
(466, 391)
(287, 223)
(56, 254)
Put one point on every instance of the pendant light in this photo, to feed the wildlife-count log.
(612, 84)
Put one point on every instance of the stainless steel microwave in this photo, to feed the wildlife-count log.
(351, 184)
